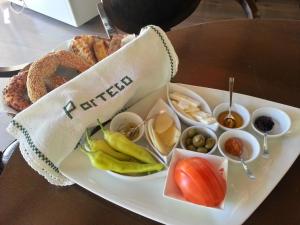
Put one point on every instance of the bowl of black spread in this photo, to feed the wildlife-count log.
(264, 123)
(273, 121)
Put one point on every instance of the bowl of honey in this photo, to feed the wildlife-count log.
(240, 114)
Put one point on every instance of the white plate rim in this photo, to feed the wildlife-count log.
(251, 207)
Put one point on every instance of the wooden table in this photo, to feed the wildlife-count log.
(264, 57)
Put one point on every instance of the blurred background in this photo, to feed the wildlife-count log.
(28, 34)
(210, 10)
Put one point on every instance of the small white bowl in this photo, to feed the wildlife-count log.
(282, 121)
(172, 191)
(124, 118)
(202, 130)
(251, 145)
(241, 110)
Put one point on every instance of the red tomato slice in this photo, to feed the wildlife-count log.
(200, 182)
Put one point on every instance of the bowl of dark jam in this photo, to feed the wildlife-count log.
(273, 121)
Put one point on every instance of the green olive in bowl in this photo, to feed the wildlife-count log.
(199, 139)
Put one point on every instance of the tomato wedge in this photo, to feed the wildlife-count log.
(200, 182)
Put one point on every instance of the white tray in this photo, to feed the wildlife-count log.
(243, 196)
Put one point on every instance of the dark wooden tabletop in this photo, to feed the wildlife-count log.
(264, 57)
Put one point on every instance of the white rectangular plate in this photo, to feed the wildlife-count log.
(243, 196)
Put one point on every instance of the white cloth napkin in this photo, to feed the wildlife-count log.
(49, 130)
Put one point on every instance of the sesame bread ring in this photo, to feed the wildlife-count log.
(54, 82)
(46, 67)
(71, 60)
(15, 92)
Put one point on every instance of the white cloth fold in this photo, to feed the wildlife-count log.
(49, 130)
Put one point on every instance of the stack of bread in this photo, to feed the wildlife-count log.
(41, 76)
(93, 49)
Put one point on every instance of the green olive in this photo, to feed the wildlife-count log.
(188, 141)
(191, 148)
(202, 150)
(198, 140)
(210, 143)
(192, 132)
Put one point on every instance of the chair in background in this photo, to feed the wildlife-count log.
(131, 15)
(250, 8)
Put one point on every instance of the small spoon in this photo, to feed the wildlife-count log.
(264, 124)
(246, 168)
(229, 120)
(266, 153)
(238, 152)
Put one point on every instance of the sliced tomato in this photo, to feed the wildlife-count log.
(200, 182)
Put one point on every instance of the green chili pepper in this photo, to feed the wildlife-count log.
(122, 144)
(103, 161)
(101, 145)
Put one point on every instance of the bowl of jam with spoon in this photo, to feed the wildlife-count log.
(270, 122)
(237, 144)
